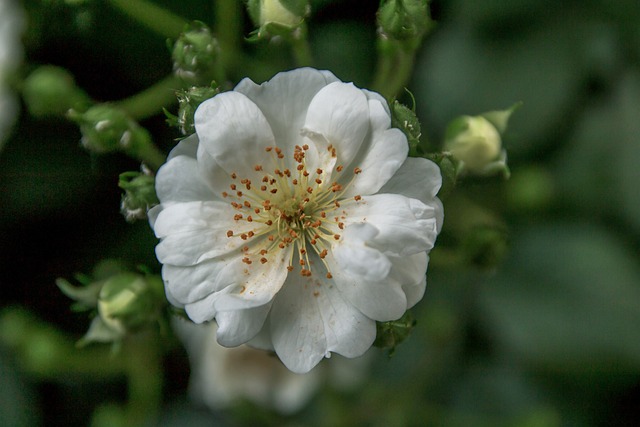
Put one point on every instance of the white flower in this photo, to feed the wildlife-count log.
(295, 219)
(221, 376)
(11, 27)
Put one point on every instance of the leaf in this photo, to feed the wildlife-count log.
(567, 299)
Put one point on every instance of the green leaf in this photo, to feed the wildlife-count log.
(567, 299)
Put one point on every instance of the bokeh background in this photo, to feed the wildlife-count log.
(532, 310)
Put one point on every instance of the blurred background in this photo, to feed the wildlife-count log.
(532, 310)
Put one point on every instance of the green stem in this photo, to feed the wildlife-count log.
(301, 49)
(151, 100)
(394, 68)
(145, 380)
(156, 18)
(150, 155)
(228, 23)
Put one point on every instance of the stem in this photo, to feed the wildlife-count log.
(157, 19)
(151, 100)
(145, 380)
(394, 68)
(150, 155)
(228, 23)
(301, 49)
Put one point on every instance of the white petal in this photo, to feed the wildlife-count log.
(192, 283)
(239, 326)
(178, 180)
(214, 175)
(187, 147)
(411, 271)
(339, 113)
(382, 156)
(237, 286)
(417, 178)
(196, 231)
(284, 101)
(407, 226)
(310, 318)
(358, 260)
(379, 297)
(233, 130)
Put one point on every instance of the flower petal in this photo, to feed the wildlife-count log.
(362, 274)
(239, 326)
(187, 147)
(381, 157)
(196, 231)
(411, 271)
(178, 180)
(356, 259)
(235, 133)
(338, 115)
(310, 318)
(406, 226)
(292, 93)
(416, 178)
(191, 283)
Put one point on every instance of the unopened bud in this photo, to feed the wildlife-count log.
(195, 53)
(473, 141)
(405, 119)
(277, 17)
(139, 196)
(51, 91)
(128, 302)
(404, 19)
(390, 334)
(106, 129)
(189, 100)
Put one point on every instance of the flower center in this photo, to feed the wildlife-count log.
(289, 208)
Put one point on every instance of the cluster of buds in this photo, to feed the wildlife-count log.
(139, 194)
(188, 101)
(106, 129)
(475, 142)
(123, 302)
(277, 17)
(407, 21)
(195, 54)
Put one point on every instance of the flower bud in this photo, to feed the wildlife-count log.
(106, 129)
(405, 119)
(277, 17)
(188, 101)
(473, 141)
(390, 334)
(195, 53)
(404, 19)
(51, 91)
(128, 302)
(476, 142)
(139, 196)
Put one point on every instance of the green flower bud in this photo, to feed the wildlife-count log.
(404, 19)
(129, 302)
(476, 142)
(139, 196)
(106, 129)
(405, 119)
(189, 100)
(51, 91)
(195, 53)
(473, 141)
(277, 17)
(390, 334)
